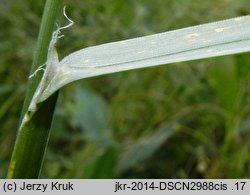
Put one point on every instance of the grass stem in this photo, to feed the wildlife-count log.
(34, 129)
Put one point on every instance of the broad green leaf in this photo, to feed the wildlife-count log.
(89, 112)
(145, 147)
(208, 40)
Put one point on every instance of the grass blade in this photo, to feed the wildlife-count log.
(208, 40)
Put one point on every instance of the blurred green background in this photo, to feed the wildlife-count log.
(186, 120)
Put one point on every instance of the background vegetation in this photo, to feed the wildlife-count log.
(188, 120)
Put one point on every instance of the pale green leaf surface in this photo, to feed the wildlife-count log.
(208, 40)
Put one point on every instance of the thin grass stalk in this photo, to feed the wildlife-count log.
(33, 133)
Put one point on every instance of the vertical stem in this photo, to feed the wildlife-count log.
(51, 11)
(33, 133)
